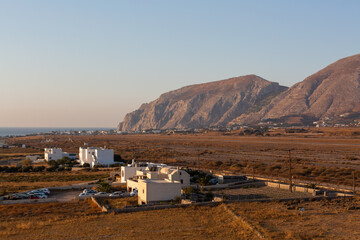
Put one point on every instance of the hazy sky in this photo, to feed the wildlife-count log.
(71, 63)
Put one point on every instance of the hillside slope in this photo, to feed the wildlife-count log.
(332, 91)
(203, 105)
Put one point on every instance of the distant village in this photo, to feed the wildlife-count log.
(265, 125)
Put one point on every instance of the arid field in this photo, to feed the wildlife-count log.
(320, 219)
(329, 156)
(319, 156)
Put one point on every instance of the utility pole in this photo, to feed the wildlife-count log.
(290, 174)
(354, 184)
(253, 174)
(134, 149)
(166, 153)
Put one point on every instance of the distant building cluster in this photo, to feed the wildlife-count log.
(87, 155)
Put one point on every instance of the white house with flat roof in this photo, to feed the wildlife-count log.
(155, 182)
(96, 156)
(156, 190)
(53, 154)
(57, 153)
(127, 172)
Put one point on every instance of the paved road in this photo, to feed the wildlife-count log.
(65, 196)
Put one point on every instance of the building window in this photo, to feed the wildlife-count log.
(182, 181)
(180, 173)
(143, 191)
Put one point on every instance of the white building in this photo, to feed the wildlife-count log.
(53, 154)
(3, 144)
(57, 153)
(154, 182)
(152, 191)
(32, 157)
(96, 156)
(129, 171)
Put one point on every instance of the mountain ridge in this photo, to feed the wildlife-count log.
(250, 99)
(199, 105)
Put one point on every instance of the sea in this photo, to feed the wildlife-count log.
(23, 131)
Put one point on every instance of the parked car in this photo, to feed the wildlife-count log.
(34, 197)
(101, 194)
(45, 190)
(36, 192)
(134, 193)
(116, 194)
(85, 194)
(90, 191)
(41, 196)
(37, 195)
(17, 196)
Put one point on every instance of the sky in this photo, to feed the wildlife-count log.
(85, 63)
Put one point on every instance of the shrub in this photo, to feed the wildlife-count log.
(177, 199)
(27, 169)
(209, 196)
(86, 165)
(118, 158)
(26, 162)
(104, 187)
(115, 165)
(52, 163)
(39, 169)
(188, 190)
(51, 169)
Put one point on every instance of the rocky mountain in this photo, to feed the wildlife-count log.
(203, 105)
(333, 91)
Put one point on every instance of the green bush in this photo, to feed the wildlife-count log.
(177, 199)
(104, 187)
(209, 196)
(39, 169)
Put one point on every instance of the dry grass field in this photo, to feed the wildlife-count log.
(320, 219)
(70, 221)
(15, 182)
(321, 155)
(326, 155)
(324, 219)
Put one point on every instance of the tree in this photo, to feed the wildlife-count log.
(188, 190)
(209, 196)
(104, 187)
(118, 158)
(52, 163)
(39, 169)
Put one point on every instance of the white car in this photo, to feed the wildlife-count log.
(36, 196)
(41, 196)
(134, 193)
(85, 194)
(90, 191)
(116, 194)
(45, 190)
(101, 194)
